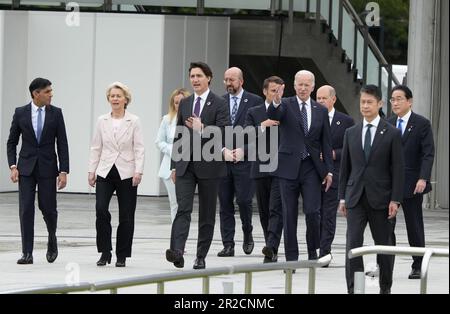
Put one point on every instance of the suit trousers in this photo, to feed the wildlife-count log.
(412, 209)
(328, 213)
(126, 197)
(170, 187)
(308, 183)
(270, 210)
(381, 229)
(46, 202)
(207, 195)
(236, 183)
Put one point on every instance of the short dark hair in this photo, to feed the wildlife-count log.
(405, 89)
(38, 84)
(372, 90)
(272, 79)
(204, 67)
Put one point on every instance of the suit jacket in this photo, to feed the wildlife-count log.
(125, 150)
(249, 100)
(381, 177)
(215, 116)
(292, 138)
(339, 124)
(255, 116)
(418, 152)
(42, 154)
(164, 142)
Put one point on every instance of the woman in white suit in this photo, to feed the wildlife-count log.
(164, 141)
(116, 164)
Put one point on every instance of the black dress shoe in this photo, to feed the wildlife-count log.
(121, 262)
(270, 256)
(248, 244)
(312, 255)
(227, 251)
(199, 263)
(175, 257)
(52, 248)
(105, 258)
(414, 274)
(385, 291)
(27, 258)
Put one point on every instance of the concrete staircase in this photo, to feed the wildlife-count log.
(265, 47)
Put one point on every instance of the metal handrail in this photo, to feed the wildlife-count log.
(205, 274)
(427, 253)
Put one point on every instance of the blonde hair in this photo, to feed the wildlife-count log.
(121, 86)
(172, 111)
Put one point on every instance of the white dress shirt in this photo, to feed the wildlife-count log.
(34, 116)
(308, 109)
(331, 115)
(373, 129)
(202, 101)
(238, 100)
(405, 120)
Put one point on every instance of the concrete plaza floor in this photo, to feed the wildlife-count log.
(77, 251)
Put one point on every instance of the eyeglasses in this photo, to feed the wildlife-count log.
(229, 81)
(398, 99)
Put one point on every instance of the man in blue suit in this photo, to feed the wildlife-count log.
(267, 187)
(304, 138)
(237, 183)
(339, 122)
(418, 153)
(41, 125)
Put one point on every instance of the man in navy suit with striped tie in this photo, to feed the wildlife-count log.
(304, 138)
(237, 182)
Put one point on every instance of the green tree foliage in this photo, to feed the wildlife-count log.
(394, 16)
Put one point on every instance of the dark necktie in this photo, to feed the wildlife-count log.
(197, 107)
(368, 142)
(234, 109)
(39, 125)
(304, 116)
(400, 126)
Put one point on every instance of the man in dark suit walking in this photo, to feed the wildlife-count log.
(202, 118)
(237, 182)
(339, 122)
(418, 152)
(371, 184)
(267, 188)
(304, 135)
(41, 125)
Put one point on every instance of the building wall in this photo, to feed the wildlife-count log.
(82, 61)
(428, 61)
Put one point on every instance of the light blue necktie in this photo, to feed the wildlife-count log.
(400, 126)
(234, 110)
(39, 125)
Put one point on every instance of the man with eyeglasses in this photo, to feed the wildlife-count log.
(237, 182)
(418, 151)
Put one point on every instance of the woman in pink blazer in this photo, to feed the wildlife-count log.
(116, 164)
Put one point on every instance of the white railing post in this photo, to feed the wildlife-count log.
(359, 285)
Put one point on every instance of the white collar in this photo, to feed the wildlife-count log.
(239, 95)
(308, 102)
(331, 113)
(374, 122)
(406, 117)
(202, 96)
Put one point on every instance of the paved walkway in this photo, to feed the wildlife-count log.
(77, 250)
